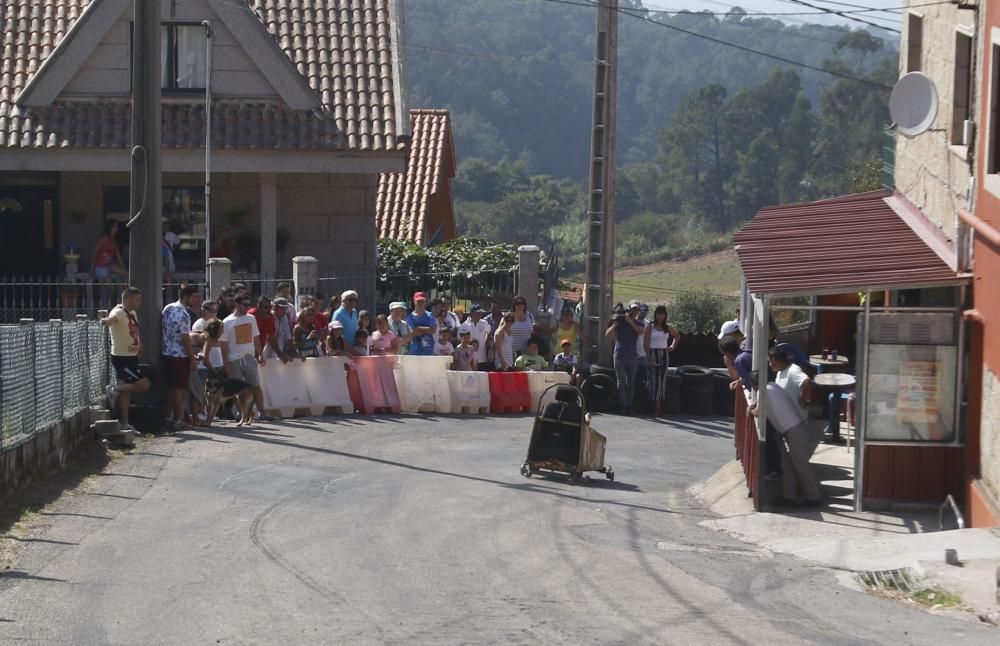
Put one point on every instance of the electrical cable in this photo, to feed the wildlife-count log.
(843, 14)
(725, 43)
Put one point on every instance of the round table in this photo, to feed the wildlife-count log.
(834, 381)
(829, 362)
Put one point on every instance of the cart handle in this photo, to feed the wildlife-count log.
(579, 398)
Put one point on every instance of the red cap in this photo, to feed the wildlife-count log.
(419, 296)
(564, 342)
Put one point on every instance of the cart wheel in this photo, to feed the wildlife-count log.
(526, 470)
(610, 475)
(586, 480)
(574, 478)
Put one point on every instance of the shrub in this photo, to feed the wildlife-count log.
(699, 312)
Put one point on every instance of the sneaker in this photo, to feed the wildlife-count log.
(773, 475)
(112, 394)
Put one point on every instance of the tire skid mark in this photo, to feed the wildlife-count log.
(275, 556)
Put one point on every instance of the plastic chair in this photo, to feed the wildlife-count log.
(372, 384)
(509, 392)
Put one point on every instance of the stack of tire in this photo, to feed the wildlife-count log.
(672, 401)
(722, 400)
(600, 389)
(697, 390)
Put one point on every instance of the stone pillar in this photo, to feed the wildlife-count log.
(220, 275)
(527, 275)
(305, 273)
(268, 225)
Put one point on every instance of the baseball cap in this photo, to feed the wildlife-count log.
(336, 325)
(729, 327)
(565, 342)
(634, 305)
(643, 308)
(419, 296)
(280, 302)
(477, 308)
(397, 305)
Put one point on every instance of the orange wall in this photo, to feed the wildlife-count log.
(986, 285)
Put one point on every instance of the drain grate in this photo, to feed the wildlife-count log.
(904, 580)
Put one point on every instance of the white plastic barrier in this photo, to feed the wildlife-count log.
(539, 381)
(285, 387)
(326, 382)
(423, 384)
(470, 391)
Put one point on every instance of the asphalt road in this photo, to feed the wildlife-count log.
(420, 530)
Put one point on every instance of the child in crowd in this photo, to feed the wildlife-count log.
(464, 354)
(383, 341)
(566, 361)
(530, 359)
(444, 348)
(360, 348)
(335, 346)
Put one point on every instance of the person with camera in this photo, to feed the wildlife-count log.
(626, 331)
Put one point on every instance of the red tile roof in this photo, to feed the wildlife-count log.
(403, 207)
(342, 47)
(844, 244)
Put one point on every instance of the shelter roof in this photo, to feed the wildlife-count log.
(843, 244)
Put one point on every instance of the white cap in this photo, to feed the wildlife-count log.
(348, 294)
(336, 325)
(728, 328)
(397, 305)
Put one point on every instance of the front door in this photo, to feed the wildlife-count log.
(28, 231)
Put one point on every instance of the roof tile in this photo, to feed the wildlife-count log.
(403, 199)
(315, 35)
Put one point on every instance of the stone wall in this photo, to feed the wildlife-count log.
(931, 170)
(990, 433)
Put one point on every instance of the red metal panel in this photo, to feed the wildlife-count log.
(747, 447)
(850, 242)
(914, 473)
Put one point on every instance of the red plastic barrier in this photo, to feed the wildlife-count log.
(372, 385)
(509, 392)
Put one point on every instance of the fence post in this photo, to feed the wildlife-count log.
(305, 274)
(29, 429)
(527, 275)
(220, 275)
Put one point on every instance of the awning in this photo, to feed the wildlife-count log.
(845, 244)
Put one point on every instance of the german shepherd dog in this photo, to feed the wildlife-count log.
(219, 389)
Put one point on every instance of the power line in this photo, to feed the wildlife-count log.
(820, 10)
(726, 43)
(843, 14)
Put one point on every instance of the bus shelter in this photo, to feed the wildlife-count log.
(870, 275)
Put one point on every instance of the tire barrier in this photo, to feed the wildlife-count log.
(600, 392)
(696, 390)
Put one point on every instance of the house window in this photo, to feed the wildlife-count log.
(962, 97)
(183, 214)
(914, 42)
(993, 145)
(183, 57)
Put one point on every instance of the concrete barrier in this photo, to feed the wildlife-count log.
(422, 383)
(470, 392)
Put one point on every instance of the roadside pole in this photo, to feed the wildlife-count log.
(145, 264)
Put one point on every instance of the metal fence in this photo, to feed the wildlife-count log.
(43, 298)
(49, 372)
(461, 287)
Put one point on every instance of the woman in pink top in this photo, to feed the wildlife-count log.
(108, 261)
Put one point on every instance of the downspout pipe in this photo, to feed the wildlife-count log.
(982, 228)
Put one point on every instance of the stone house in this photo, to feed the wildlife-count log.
(307, 111)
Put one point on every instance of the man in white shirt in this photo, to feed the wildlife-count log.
(800, 484)
(241, 347)
(479, 328)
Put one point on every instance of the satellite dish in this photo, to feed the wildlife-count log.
(913, 104)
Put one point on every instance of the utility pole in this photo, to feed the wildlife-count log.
(145, 258)
(600, 210)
